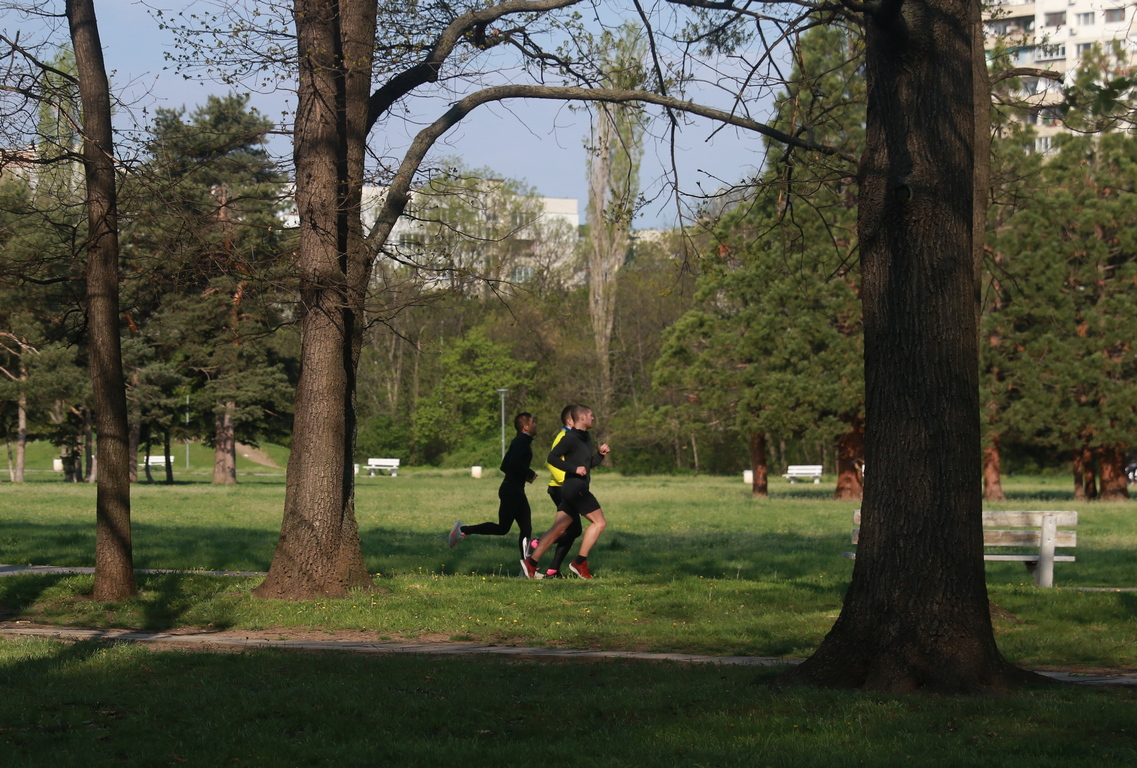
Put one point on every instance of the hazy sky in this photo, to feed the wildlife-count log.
(541, 143)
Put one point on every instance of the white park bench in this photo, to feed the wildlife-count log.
(156, 461)
(794, 471)
(383, 465)
(1041, 531)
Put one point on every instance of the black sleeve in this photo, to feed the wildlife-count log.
(517, 458)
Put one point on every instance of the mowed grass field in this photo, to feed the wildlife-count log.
(687, 564)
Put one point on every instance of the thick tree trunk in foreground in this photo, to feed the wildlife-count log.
(114, 563)
(992, 472)
(318, 554)
(760, 472)
(850, 454)
(916, 614)
(1114, 483)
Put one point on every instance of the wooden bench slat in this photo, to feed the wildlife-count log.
(1012, 519)
(1020, 538)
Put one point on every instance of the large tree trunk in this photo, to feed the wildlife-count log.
(916, 615)
(318, 553)
(1114, 483)
(1085, 475)
(114, 563)
(759, 466)
(992, 472)
(224, 445)
(850, 463)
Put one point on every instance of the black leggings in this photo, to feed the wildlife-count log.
(513, 506)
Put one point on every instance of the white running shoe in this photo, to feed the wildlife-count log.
(456, 534)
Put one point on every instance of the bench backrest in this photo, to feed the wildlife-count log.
(382, 462)
(804, 469)
(1028, 523)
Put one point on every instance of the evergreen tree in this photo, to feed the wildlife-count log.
(207, 251)
(774, 346)
(1068, 317)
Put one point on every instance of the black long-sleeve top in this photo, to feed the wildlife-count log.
(515, 463)
(574, 450)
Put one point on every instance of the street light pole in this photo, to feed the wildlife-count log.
(503, 393)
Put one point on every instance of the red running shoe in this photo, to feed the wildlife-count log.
(529, 569)
(580, 569)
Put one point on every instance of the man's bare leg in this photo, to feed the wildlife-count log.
(592, 532)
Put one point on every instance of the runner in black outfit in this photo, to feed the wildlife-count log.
(513, 503)
(574, 456)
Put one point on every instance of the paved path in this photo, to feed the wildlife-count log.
(237, 640)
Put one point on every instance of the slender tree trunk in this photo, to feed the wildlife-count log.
(759, 469)
(609, 245)
(114, 562)
(318, 553)
(21, 427)
(224, 445)
(850, 458)
(916, 615)
(992, 472)
(168, 453)
(1114, 483)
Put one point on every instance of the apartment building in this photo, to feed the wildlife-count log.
(1055, 35)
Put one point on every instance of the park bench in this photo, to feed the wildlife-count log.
(1042, 531)
(794, 471)
(383, 465)
(156, 461)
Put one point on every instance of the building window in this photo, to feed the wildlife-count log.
(1043, 143)
(1050, 53)
(1086, 19)
(1114, 15)
(1084, 49)
(1055, 19)
(1048, 116)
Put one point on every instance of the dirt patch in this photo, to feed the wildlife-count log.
(256, 455)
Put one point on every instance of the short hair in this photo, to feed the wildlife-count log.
(521, 419)
(579, 410)
(566, 412)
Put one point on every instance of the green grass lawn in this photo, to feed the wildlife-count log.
(687, 564)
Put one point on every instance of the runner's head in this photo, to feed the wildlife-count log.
(525, 422)
(582, 417)
(566, 415)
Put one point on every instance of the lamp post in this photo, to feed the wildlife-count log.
(503, 393)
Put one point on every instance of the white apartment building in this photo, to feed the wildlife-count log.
(477, 228)
(1055, 35)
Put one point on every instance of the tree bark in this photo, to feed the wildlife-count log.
(114, 562)
(318, 553)
(224, 445)
(759, 466)
(1085, 475)
(916, 615)
(21, 430)
(1114, 483)
(850, 464)
(992, 472)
